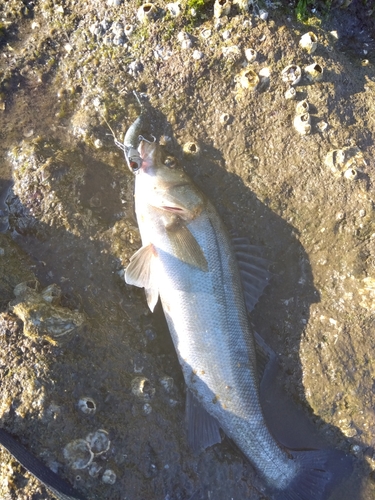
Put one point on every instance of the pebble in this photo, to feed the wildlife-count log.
(182, 35)
(135, 68)
(118, 40)
(206, 33)
(197, 55)
(118, 29)
(96, 29)
(186, 44)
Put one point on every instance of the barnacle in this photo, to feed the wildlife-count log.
(191, 148)
(146, 12)
(291, 74)
(309, 42)
(78, 454)
(314, 72)
(302, 123)
(302, 107)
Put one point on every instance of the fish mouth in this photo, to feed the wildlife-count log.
(172, 209)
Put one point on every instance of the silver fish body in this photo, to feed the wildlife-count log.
(187, 260)
(205, 310)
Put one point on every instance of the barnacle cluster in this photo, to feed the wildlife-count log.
(346, 162)
(41, 313)
(79, 454)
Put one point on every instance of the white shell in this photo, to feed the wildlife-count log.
(251, 55)
(290, 93)
(264, 76)
(142, 388)
(314, 72)
(302, 107)
(98, 441)
(263, 14)
(309, 42)
(248, 79)
(243, 5)
(348, 161)
(221, 8)
(291, 74)
(87, 405)
(232, 53)
(302, 124)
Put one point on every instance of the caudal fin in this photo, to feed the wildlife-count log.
(320, 472)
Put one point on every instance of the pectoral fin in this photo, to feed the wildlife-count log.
(138, 273)
(185, 246)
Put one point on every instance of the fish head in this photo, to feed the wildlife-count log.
(162, 183)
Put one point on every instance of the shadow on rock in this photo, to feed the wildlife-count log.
(65, 212)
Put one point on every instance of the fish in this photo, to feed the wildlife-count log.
(206, 283)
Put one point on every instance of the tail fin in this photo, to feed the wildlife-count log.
(320, 472)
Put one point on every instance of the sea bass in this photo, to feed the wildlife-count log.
(188, 260)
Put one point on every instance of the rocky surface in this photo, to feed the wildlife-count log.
(66, 203)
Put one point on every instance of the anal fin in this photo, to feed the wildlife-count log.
(203, 429)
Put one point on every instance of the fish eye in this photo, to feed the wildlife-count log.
(170, 162)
